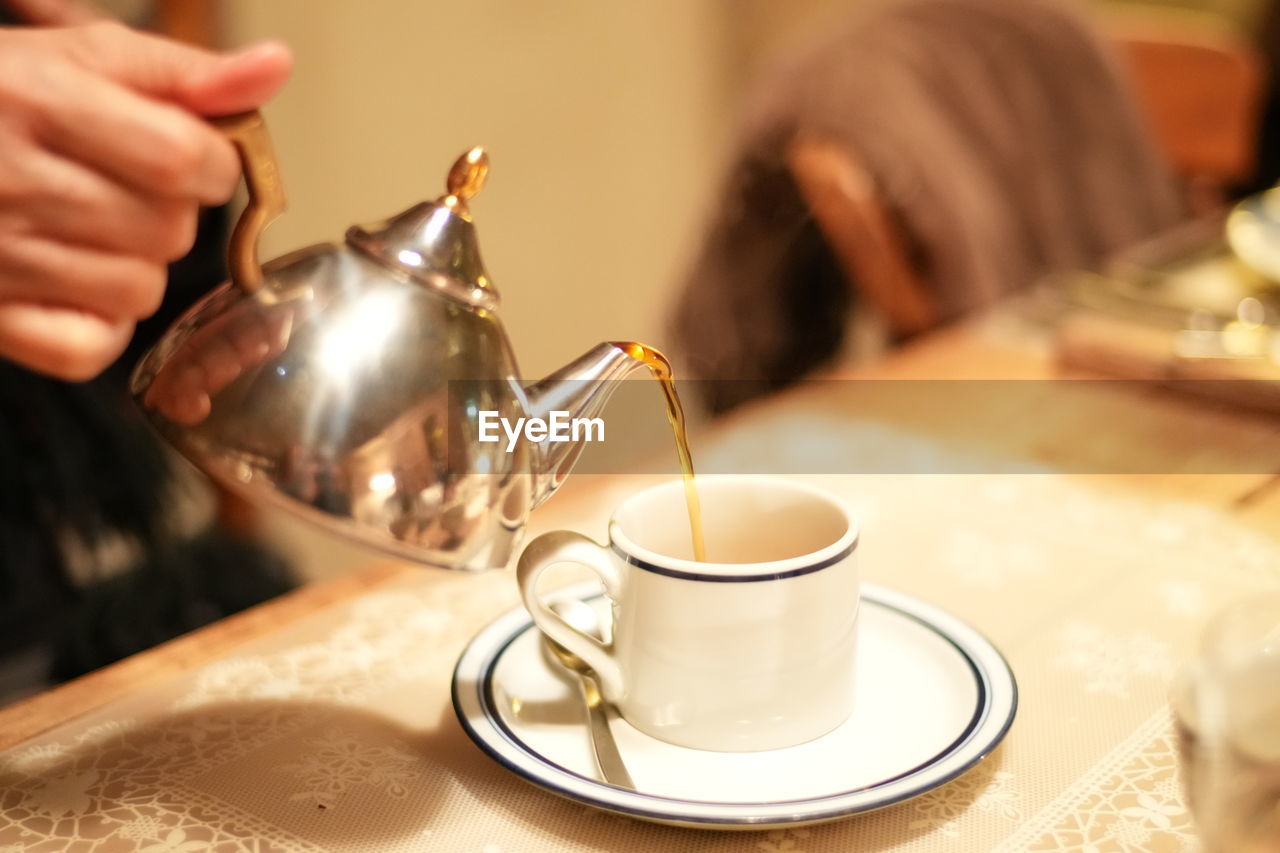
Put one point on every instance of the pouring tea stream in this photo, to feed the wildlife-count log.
(344, 381)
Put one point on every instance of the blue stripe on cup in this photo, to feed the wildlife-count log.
(733, 578)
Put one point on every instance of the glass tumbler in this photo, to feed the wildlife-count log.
(1227, 707)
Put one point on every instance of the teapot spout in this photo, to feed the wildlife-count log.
(577, 392)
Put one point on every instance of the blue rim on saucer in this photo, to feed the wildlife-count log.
(993, 695)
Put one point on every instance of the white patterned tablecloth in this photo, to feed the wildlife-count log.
(337, 734)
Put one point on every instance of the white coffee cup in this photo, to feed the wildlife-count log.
(751, 650)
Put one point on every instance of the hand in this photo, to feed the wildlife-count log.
(104, 160)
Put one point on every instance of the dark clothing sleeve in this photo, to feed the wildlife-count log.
(79, 466)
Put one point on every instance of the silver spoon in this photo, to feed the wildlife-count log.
(609, 761)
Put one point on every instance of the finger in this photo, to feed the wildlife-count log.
(220, 362)
(202, 81)
(212, 359)
(207, 363)
(183, 388)
(246, 81)
(77, 205)
(156, 148)
(116, 287)
(262, 335)
(60, 342)
(180, 395)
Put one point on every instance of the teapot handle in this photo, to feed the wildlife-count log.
(248, 132)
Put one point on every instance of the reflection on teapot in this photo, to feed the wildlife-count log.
(219, 353)
(344, 381)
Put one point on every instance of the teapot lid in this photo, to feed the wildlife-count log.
(434, 242)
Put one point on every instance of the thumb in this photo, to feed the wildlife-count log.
(202, 81)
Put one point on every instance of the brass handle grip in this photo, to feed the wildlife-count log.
(248, 132)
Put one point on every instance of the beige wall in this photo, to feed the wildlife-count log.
(604, 121)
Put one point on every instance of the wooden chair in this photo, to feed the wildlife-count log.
(1201, 90)
(861, 231)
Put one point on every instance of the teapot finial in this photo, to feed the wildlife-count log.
(434, 242)
(467, 176)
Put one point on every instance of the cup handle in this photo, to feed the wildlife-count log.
(248, 132)
(565, 546)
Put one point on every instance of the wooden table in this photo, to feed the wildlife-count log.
(1154, 431)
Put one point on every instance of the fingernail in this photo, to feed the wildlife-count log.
(258, 50)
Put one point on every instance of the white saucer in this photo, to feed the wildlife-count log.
(933, 698)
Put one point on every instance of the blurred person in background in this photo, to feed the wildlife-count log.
(953, 151)
(918, 160)
(110, 182)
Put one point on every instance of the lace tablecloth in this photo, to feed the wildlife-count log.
(336, 733)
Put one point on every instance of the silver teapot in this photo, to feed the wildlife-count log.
(347, 382)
